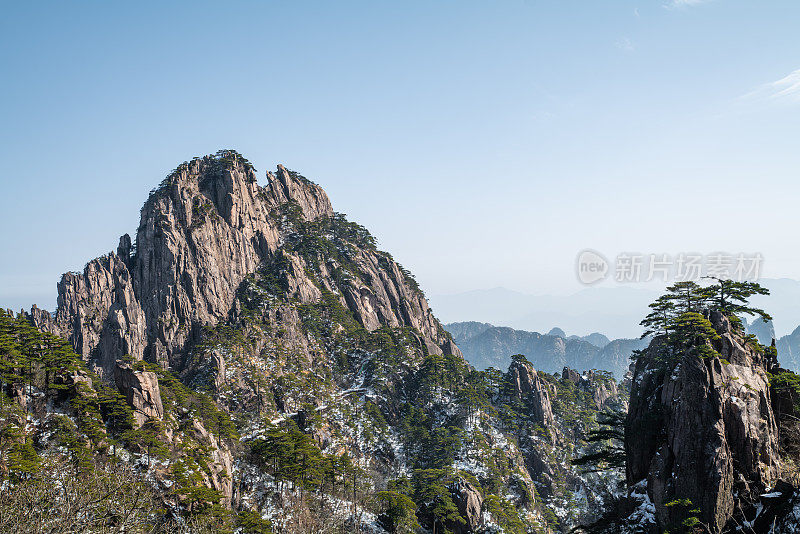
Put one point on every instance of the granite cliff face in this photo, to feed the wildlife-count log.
(207, 227)
(703, 429)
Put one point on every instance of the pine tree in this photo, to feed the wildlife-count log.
(688, 296)
(608, 442)
(9, 354)
(58, 358)
(472, 394)
(433, 495)
(693, 333)
(22, 459)
(397, 512)
(150, 439)
(682, 297)
(10, 434)
(494, 382)
(681, 315)
(731, 297)
(252, 523)
(30, 348)
(115, 410)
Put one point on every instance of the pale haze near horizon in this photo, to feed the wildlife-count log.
(484, 144)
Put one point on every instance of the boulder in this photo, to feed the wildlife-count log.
(141, 390)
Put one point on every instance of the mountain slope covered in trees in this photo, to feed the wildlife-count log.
(251, 361)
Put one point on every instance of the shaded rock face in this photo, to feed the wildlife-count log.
(787, 414)
(141, 390)
(206, 228)
(702, 429)
(540, 469)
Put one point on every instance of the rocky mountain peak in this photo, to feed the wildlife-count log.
(203, 230)
(287, 186)
(261, 323)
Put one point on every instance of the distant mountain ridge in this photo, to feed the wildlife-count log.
(788, 346)
(485, 345)
(613, 310)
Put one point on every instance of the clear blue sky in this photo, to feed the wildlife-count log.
(484, 143)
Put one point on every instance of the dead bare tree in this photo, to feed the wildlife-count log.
(62, 498)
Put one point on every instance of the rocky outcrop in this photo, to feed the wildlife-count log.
(469, 502)
(99, 313)
(536, 391)
(604, 393)
(141, 390)
(202, 232)
(702, 429)
(287, 186)
(572, 375)
(603, 389)
(43, 320)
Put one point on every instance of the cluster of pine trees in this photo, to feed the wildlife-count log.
(681, 315)
(62, 430)
(292, 457)
(30, 358)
